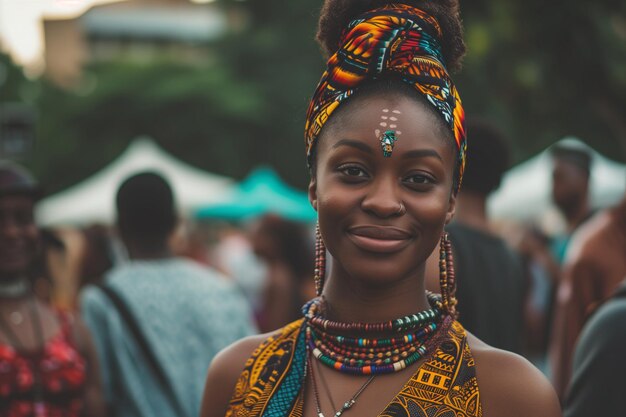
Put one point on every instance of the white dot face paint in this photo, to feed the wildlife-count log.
(389, 137)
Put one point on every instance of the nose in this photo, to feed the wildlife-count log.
(383, 198)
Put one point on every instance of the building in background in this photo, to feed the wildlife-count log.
(135, 30)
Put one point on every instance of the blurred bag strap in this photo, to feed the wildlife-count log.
(144, 347)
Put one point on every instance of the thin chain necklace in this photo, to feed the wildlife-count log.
(347, 405)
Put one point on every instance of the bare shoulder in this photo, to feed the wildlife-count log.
(590, 239)
(510, 386)
(224, 372)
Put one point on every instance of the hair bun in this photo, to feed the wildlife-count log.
(336, 14)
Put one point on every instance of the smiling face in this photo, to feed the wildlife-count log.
(382, 216)
(18, 235)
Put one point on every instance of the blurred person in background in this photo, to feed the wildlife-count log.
(158, 319)
(570, 192)
(491, 291)
(48, 364)
(598, 384)
(594, 267)
(542, 274)
(233, 255)
(287, 251)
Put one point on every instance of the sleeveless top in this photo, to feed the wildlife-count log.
(271, 384)
(61, 371)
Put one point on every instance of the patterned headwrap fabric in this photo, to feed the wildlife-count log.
(393, 39)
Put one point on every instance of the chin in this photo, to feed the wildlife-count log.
(379, 273)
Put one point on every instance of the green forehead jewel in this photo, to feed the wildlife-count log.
(387, 142)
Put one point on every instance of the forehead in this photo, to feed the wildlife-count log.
(415, 125)
(563, 167)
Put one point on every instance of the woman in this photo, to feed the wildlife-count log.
(386, 147)
(47, 361)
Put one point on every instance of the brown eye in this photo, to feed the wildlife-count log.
(419, 179)
(353, 171)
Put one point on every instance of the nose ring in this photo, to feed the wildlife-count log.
(402, 209)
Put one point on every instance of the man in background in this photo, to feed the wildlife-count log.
(570, 192)
(595, 266)
(183, 313)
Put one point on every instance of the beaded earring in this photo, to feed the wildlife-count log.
(447, 279)
(320, 261)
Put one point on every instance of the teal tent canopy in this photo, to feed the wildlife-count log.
(262, 192)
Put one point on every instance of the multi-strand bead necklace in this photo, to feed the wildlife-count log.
(387, 347)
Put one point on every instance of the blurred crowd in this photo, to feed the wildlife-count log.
(125, 319)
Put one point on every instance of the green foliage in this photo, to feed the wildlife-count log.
(544, 70)
(12, 80)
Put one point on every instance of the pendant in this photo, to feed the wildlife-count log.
(387, 141)
(346, 406)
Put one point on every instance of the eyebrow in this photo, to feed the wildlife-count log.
(354, 144)
(422, 153)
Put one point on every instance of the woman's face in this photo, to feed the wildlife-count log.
(18, 235)
(381, 216)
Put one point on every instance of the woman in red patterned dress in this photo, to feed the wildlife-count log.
(47, 361)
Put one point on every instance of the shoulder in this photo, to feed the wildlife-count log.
(599, 365)
(589, 240)
(231, 360)
(227, 367)
(92, 299)
(203, 275)
(224, 372)
(510, 386)
(604, 327)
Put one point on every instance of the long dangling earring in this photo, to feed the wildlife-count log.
(447, 279)
(320, 261)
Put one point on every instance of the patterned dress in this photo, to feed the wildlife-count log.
(271, 384)
(62, 373)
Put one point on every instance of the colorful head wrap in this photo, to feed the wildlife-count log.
(393, 39)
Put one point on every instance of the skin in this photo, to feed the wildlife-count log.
(407, 198)
(138, 248)
(19, 244)
(19, 236)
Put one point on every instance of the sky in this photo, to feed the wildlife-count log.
(21, 32)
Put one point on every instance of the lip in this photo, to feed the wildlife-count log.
(379, 239)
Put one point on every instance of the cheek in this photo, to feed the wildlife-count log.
(334, 207)
(430, 214)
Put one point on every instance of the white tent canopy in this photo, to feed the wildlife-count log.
(93, 200)
(525, 193)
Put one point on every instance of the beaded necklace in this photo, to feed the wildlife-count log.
(388, 346)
